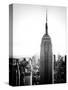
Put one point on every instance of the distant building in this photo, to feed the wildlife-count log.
(33, 61)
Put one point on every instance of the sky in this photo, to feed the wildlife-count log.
(29, 28)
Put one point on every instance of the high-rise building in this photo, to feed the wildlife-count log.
(46, 58)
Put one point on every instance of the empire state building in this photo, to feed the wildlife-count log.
(46, 58)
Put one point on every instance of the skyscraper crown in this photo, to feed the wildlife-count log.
(46, 25)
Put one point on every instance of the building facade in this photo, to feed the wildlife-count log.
(46, 58)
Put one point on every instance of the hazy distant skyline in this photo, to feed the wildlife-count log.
(29, 28)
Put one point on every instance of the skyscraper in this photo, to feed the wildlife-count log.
(46, 58)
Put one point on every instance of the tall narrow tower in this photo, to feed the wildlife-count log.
(46, 58)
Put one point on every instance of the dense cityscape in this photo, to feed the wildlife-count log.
(47, 68)
(25, 71)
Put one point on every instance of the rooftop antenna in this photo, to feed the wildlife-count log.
(46, 25)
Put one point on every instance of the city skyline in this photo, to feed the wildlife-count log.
(36, 35)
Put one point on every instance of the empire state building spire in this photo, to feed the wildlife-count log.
(46, 25)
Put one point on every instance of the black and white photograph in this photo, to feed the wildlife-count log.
(37, 45)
